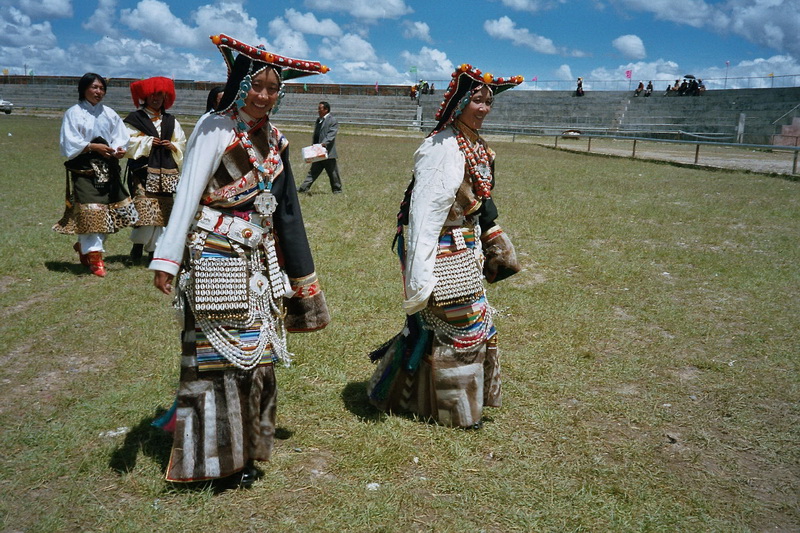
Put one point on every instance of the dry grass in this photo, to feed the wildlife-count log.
(650, 355)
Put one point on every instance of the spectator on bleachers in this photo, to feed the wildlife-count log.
(413, 92)
(649, 89)
(701, 88)
(579, 88)
(683, 88)
(693, 88)
(639, 89)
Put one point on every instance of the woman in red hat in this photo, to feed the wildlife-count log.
(237, 246)
(94, 139)
(445, 365)
(155, 155)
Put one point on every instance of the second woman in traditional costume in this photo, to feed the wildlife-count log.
(445, 364)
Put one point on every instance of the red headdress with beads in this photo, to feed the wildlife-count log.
(464, 80)
(141, 89)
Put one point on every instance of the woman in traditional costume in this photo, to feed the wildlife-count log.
(444, 365)
(156, 157)
(245, 274)
(94, 139)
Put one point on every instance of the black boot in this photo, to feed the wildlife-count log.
(137, 251)
(248, 476)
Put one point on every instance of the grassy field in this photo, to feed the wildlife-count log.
(650, 361)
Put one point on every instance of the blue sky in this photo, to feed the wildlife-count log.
(368, 41)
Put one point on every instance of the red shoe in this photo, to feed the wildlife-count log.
(81, 255)
(96, 264)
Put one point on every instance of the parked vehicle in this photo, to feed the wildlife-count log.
(6, 106)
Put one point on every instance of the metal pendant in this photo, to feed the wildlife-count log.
(259, 283)
(265, 204)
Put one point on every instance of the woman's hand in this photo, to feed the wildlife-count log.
(163, 281)
(104, 150)
(166, 143)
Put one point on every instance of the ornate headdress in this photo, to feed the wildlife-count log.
(141, 89)
(466, 80)
(250, 61)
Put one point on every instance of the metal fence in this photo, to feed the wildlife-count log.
(754, 157)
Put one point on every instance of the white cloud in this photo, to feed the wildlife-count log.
(630, 46)
(695, 13)
(102, 21)
(564, 73)
(309, 24)
(17, 30)
(430, 62)
(417, 30)
(287, 41)
(154, 20)
(363, 9)
(45, 8)
(130, 58)
(531, 6)
(365, 72)
(645, 71)
(349, 47)
(506, 29)
(771, 23)
(229, 18)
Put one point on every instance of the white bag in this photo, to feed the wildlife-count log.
(315, 152)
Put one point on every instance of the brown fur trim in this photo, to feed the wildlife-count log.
(306, 314)
(501, 258)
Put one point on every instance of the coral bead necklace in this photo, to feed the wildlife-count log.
(478, 161)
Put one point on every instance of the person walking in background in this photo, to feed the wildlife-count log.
(246, 278)
(155, 157)
(94, 139)
(445, 364)
(579, 88)
(325, 130)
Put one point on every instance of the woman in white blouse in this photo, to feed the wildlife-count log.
(94, 139)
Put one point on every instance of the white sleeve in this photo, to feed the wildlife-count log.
(438, 173)
(140, 144)
(119, 133)
(73, 139)
(207, 144)
(179, 142)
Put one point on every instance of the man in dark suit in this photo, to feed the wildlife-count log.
(325, 131)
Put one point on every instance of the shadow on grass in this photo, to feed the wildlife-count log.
(142, 438)
(64, 266)
(354, 396)
(156, 443)
(78, 269)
